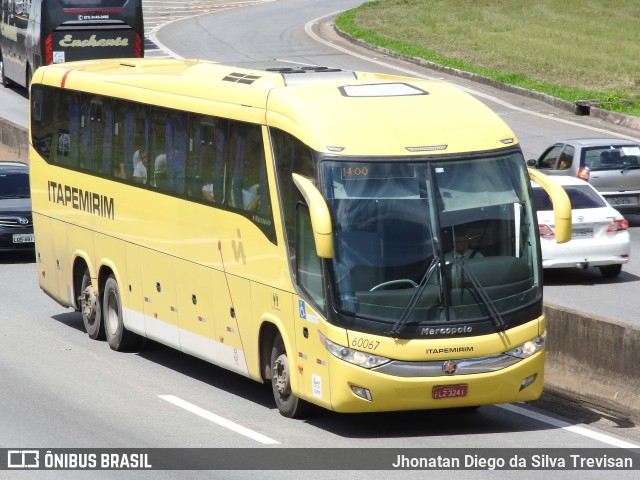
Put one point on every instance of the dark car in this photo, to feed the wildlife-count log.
(16, 222)
(610, 165)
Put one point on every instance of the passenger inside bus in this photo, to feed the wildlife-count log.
(140, 166)
(160, 171)
(207, 192)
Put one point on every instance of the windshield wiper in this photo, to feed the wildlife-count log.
(630, 167)
(399, 325)
(482, 293)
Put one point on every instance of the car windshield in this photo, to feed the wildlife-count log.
(14, 185)
(608, 157)
(427, 242)
(580, 196)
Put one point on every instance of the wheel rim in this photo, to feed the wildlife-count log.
(113, 312)
(88, 306)
(281, 379)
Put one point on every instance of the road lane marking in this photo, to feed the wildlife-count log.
(585, 432)
(223, 422)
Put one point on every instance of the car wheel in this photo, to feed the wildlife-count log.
(611, 271)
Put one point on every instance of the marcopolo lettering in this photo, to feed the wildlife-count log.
(93, 41)
(428, 331)
(80, 199)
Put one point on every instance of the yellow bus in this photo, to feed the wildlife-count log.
(361, 242)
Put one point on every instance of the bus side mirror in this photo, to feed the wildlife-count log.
(320, 216)
(561, 204)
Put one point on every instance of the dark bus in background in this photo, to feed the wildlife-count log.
(41, 32)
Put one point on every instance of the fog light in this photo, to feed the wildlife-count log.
(362, 393)
(528, 381)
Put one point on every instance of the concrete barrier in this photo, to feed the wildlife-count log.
(593, 359)
(14, 142)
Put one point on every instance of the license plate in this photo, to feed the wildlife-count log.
(582, 233)
(23, 238)
(615, 201)
(449, 391)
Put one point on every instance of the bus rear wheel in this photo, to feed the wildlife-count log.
(288, 404)
(118, 337)
(89, 307)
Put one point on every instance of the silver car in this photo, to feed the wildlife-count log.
(610, 165)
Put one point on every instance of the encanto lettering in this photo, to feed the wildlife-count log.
(68, 41)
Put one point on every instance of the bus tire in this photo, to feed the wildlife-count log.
(90, 308)
(288, 404)
(118, 337)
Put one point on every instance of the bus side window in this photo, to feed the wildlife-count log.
(291, 156)
(136, 143)
(204, 176)
(97, 151)
(248, 182)
(42, 126)
(66, 141)
(176, 155)
(308, 264)
(168, 151)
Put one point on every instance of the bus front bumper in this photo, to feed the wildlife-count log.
(355, 389)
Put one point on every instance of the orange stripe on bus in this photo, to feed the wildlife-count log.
(64, 78)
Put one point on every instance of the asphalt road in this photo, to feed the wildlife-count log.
(59, 389)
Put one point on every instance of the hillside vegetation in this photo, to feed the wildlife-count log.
(571, 49)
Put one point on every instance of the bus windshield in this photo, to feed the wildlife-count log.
(426, 243)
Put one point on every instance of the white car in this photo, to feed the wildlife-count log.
(600, 236)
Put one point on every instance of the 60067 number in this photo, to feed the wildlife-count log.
(364, 343)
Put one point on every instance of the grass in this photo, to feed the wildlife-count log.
(570, 49)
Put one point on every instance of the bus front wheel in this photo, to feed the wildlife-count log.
(288, 404)
(91, 316)
(118, 337)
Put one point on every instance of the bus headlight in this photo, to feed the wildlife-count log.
(357, 357)
(527, 349)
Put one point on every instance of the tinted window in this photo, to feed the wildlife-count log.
(611, 157)
(14, 184)
(580, 196)
(550, 157)
(216, 161)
